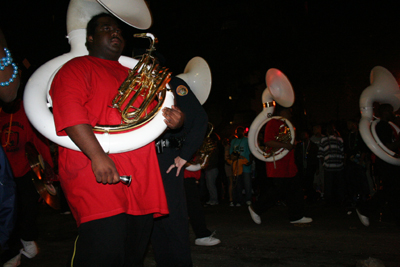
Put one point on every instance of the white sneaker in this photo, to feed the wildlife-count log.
(254, 216)
(207, 241)
(14, 262)
(303, 220)
(231, 204)
(248, 203)
(30, 249)
(364, 219)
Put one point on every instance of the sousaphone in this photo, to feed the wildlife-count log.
(279, 89)
(385, 90)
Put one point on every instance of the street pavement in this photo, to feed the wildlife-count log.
(335, 238)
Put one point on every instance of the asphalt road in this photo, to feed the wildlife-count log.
(335, 238)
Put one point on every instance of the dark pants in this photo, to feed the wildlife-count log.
(356, 182)
(237, 189)
(307, 180)
(170, 237)
(119, 240)
(27, 207)
(390, 193)
(195, 209)
(286, 189)
(334, 187)
(26, 219)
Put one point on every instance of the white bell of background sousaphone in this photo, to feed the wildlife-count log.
(385, 90)
(37, 100)
(280, 90)
(197, 75)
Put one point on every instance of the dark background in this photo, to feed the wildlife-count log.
(326, 49)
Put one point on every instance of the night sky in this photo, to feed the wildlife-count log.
(326, 49)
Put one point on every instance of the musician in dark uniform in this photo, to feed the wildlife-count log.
(170, 237)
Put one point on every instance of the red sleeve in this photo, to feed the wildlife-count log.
(70, 89)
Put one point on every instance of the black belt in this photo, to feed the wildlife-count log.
(171, 142)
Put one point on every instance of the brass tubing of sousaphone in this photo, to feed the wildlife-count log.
(126, 88)
(146, 79)
(145, 84)
(134, 117)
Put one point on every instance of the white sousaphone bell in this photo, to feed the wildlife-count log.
(278, 89)
(200, 84)
(383, 89)
(36, 97)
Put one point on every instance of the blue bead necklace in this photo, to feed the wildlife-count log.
(6, 61)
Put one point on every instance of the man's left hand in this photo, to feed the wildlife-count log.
(179, 163)
(174, 117)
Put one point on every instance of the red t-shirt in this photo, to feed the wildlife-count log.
(13, 140)
(285, 167)
(82, 92)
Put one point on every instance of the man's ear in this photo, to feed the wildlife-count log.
(89, 39)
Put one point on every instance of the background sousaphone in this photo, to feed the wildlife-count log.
(383, 89)
(279, 89)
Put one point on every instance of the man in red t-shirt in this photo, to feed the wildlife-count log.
(15, 133)
(284, 183)
(115, 221)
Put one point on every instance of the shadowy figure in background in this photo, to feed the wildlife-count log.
(241, 145)
(204, 237)
(319, 174)
(331, 155)
(356, 162)
(228, 168)
(237, 162)
(388, 174)
(307, 162)
(212, 171)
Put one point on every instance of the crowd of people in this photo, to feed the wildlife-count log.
(326, 165)
(117, 222)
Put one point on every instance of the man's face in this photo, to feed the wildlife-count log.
(107, 41)
(239, 132)
(316, 130)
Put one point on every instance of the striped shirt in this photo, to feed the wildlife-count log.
(331, 150)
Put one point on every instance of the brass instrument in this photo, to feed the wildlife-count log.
(44, 186)
(202, 156)
(278, 89)
(383, 89)
(284, 136)
(146, 79)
